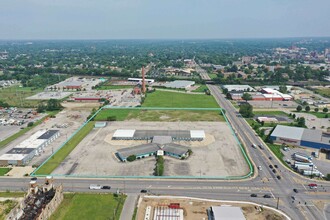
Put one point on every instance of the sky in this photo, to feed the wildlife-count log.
(163, 19)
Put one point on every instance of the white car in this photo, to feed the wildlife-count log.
(95, 186)
(259, 168)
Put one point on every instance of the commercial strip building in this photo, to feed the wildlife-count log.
(301, 137)
(265, 94)
(225, 213)
(161, 142)
(237, 88)
(26, 150)
(179, 84)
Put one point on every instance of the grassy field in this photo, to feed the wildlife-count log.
(179, 100)
(159, 115)
(201, 88)
(110, 87)
(213, 75)
(89, 206)
(317, 114)
(55, 161)
(4, 170)
(12, 194)
(261, 113)
(324, 92)
(20, 133)
(5, 207)
(15, 96)
(277, 151)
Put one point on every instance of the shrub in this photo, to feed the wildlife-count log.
(131, 158)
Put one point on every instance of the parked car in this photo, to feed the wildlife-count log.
(267, 196)
(254, 195)
(106, 187)
(95, 186)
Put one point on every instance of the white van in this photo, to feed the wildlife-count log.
(95, 186)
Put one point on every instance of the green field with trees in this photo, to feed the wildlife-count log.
(77, 206)
(4, 170)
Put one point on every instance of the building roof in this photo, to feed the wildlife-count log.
(138, 150)
(317, 136)
(180, 84)
(237, 87)
(71, 83)
(162, 139)
(172, 133)
(175, 149)
(227, 213)
(12, 156)
(288, 132)
(21, 151)
(121, 133)
(197, 134)
(48, 134)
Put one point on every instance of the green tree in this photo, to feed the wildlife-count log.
(325, 110)
(316, 109)
(283, 89)
(53, 105)
(131, 158)
(299, 108)
(246, 96)
(246, 110)
(301, 122)
(307, 108)
(225, 91)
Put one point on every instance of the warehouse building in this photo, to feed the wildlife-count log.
(301, 137)
(242, 88)
(225, 213)
(176, 135)
(23, 153)
(179, 84)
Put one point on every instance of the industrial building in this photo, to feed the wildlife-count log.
(161, 142)
(176, 135)
(238, 88)
(225, 213)
(139, 80)
(179, 84)
(26, 150)
(301, 137)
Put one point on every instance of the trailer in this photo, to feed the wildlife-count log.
(302, 163)
(303, 155)
(301, 158)
(304, 167)
(312, 172)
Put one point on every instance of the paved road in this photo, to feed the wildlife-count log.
(261, 158)
(202, 73)
(129, 206)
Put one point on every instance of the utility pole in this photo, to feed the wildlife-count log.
(278, 201)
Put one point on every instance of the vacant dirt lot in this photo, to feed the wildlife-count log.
(194, 209)
(217, 155)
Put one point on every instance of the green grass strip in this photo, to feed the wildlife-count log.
(12, 194)
(64, 151)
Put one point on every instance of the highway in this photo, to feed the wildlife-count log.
(265, 182)
(202, 73)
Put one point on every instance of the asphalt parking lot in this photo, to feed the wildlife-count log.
(217, 155)
(273, 104)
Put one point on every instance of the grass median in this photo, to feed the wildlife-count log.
(89, 206)
(62, 153)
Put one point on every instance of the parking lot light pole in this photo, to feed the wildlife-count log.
(312, 170)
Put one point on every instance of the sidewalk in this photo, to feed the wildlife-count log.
(129, 206)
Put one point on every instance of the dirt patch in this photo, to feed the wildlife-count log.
(20, 171)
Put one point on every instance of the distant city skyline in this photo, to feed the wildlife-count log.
(170, 19)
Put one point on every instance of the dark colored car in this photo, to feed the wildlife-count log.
(34, 178)
(105, 187)
(293, 198)
(270, 158)
(261, 147)
(275, 166)
(274, 171)
(267, 196)
(144, 191)
(271, 166)
(254, 195)
(279, 177)
(295, 190)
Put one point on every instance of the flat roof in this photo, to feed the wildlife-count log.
(48, 134)
(175, 148)
(288, 132)
(20, 151)
(237, 87)
(172, 133)
(227, 213)
(179, 84)
(12, 156)
(71, 83)
(197, 134)
(162, 139)
(121, 133)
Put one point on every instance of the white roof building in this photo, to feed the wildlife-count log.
(179, 84)
(121, 133)
(227, 213)
(238, 88)
(200, 134)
